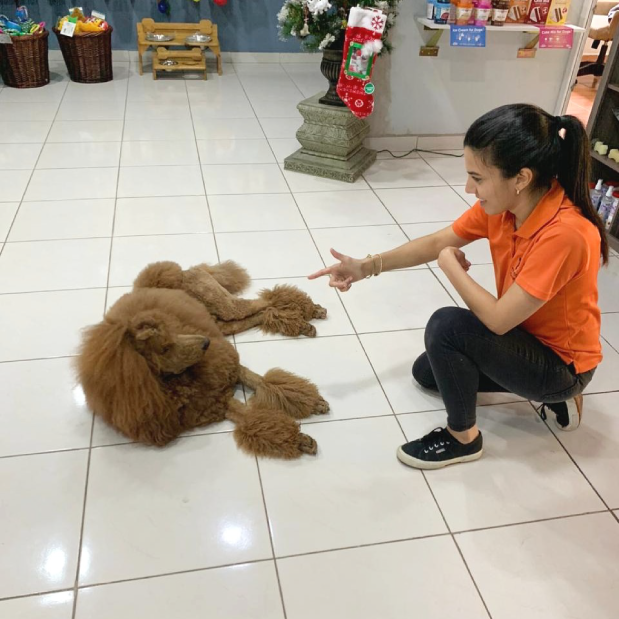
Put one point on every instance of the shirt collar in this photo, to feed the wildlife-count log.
(546, 209)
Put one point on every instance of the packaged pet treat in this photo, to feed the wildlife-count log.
(499, 12)
(464, 11)
(482, 12)
(538, 12)
(517, 12)
(557, 15)
(441, 12)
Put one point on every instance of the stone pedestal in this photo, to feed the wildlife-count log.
(331, 141)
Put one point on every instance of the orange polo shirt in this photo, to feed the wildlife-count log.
(555, 257)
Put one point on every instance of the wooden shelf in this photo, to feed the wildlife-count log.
(529, 28)
(613, 87)
(609, 163)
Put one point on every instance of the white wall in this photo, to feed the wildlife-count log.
(444, 95)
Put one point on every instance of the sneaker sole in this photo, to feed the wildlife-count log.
(404, 458)
(574, 415)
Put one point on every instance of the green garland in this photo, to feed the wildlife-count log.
(321, 30)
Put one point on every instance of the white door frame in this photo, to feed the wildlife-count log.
(571, 71)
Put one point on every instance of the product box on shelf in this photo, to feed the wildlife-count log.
(538, 12)
(557, 14)
(518, 11)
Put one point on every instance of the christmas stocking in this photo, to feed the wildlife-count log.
(363, 42)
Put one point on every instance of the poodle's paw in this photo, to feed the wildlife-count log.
(307, 445)
(322, 408)
(308, 330)
(320, 313)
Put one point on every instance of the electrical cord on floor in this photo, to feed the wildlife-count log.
(419, 150)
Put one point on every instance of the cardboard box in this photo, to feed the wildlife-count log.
(557, 15)
(518, 11)
(538, 12)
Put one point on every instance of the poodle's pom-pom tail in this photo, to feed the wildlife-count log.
(267, 433)
(297, 397)
(160, 275)
(231, 276)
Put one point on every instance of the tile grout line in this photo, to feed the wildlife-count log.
(264, 503)
(92, 430)
(391, 406)
(206, 196)
(23, 196)
(545, 421)
(305, 424)
(450, 532)
(409, 239)
(268, 523)
(310, 553)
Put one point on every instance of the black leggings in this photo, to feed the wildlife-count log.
(463, 357)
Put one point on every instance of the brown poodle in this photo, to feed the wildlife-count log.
(159, 364)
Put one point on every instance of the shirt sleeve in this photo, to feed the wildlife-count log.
(472, 225)
(557, 258)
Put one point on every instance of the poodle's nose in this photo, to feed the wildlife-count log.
(206, 343)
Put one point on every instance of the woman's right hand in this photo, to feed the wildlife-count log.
(344, 274)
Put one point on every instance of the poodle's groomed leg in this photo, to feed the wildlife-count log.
(297, 397)
(201, 285)
(230, 275)
(268, 433)
(238, 326)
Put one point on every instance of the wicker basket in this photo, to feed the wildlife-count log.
(88, 56)
(25, 64)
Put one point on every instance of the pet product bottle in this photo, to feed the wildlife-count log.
(612, 211)
(464, 11)
(441, 11)
(430, 9)
(499, 12)
(482, 12)
(596, 194)
(606, 204)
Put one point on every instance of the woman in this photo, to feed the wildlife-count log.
(541, 338)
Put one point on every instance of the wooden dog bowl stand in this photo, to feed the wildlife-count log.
(180, 32)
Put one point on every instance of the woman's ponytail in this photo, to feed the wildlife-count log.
(574, 173)
(519, 136)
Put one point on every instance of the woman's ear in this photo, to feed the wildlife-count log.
(524, 179)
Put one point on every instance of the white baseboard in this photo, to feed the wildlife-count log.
(440, 142)
(396, 143)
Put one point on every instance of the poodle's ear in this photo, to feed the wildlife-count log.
(120, 386)
(145, 325)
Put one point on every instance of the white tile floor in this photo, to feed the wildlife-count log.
(98, 180)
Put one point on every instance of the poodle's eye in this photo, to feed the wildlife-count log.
(166, 349)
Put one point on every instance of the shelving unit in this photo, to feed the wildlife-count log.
(530, 28)
(603, 125)
(528, 51)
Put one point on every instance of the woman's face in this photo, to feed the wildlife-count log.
(495, 193)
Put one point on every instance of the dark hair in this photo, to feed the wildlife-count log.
(513, 137)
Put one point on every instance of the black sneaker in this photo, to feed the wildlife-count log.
(567, 414)
(438, 449)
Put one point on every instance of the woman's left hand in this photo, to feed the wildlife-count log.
(452, 255)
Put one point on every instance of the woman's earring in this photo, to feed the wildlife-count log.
(517, 192)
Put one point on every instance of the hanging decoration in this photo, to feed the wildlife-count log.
(220, 2)
(363, 42)
(164, 7)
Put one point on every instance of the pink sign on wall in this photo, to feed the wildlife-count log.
(555, 37)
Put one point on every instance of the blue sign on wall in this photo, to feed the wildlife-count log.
(467, 36)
